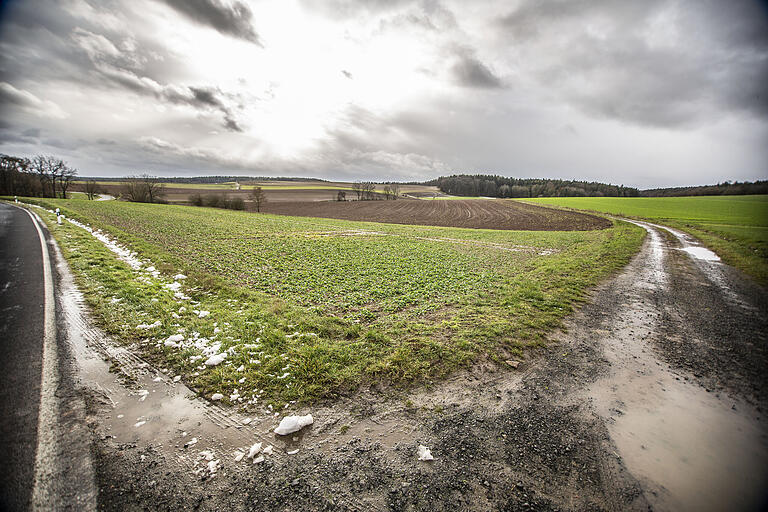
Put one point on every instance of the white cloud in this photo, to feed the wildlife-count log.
(10, 95)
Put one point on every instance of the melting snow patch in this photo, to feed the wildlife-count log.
(267, 451)
(217, 396)
(424, 453)
(291, 424)
(177, 378)
(202, 314)
(216, 359)
(179, 276)
(259, 459)
(174, 286)
(139, 423)
(293, 452)
(213, 466)
(206, 454)
(173, 340)
(254, 450)
(239, 456)
(149, 326)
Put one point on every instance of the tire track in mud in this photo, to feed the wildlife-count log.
(691, 449)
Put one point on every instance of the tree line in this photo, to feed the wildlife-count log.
(40, 176)
(727, 188)
(500, 186)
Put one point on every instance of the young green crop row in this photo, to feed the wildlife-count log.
(306, 308)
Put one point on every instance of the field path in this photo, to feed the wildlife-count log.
(685, 338)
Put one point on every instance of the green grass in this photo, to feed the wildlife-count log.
(339, 304)
(735, 227)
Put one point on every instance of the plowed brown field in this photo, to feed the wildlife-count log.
(477, 213)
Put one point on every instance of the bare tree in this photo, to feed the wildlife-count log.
(45, 167)
(357, 188)
(143, 189)
(65, 174)
(394, 189)
(387, 192)
(133, 190)
(259, 197)
(91, 189)
(369, 190)
(155, 189)
(341, 195)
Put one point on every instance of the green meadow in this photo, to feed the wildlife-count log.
(736, 227)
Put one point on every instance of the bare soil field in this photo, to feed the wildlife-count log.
(478, 214)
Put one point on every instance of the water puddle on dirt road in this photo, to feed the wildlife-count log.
(692, 450)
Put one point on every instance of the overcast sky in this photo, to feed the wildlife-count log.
(641, 92)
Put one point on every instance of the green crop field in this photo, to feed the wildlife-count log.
(308, 308)
(736, 227)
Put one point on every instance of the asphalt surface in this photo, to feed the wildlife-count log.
(21, 336)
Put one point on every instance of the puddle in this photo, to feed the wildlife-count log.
(701, 253)
(690, 449)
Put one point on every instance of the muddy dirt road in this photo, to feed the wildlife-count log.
(652, 398)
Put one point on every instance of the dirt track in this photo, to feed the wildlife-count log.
(634, 406)
(478, 213)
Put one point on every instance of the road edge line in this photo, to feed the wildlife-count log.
(46, 454)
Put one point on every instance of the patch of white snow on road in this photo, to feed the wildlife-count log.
(291, 424)
(424, 453)
(254, 450)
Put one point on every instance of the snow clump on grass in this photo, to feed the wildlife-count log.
(216, 359)
(149, 326)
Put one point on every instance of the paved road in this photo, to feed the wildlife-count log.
(21, 332)
(45, 461)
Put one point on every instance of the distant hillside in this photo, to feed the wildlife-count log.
(499, 186)
(721, 189)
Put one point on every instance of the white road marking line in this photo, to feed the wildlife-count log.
(44, 496)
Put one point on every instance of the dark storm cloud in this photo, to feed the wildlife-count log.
(470, 72)
(229, 19)
(615, 60)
